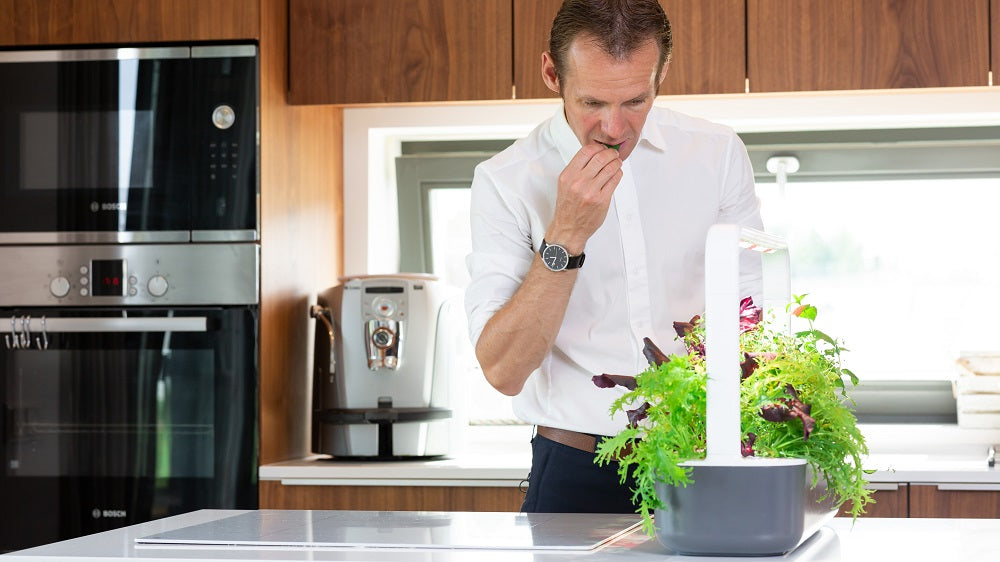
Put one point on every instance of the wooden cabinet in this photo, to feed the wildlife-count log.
(274, 495)
(384, 51)
(708, 54)
(931, 501)
(859, 44)
(892, 501)
(66, 22)
(532, 21)
(388, 51)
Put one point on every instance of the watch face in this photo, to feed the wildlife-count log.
(555, 257)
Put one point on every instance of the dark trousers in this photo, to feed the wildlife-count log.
(566, 480)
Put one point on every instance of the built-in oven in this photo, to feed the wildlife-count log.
(129, 285)
(129, 144)
(128, 385)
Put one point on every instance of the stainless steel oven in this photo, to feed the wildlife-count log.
(129, 144)
(129, 286)
(130, 395)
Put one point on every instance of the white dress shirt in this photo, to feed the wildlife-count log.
(645, 264)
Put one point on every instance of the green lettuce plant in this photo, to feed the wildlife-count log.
(794, 404)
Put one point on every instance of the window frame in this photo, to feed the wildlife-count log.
(946, 152)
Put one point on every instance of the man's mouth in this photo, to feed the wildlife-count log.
(614, 146)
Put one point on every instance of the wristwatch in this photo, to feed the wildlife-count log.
(556, 258)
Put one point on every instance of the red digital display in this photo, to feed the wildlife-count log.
(108, 278)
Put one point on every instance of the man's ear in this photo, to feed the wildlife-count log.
(549, 72)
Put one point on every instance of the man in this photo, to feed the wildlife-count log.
(589, 235)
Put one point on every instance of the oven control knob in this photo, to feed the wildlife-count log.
(157, 285)
(59, 287)
(223, 117)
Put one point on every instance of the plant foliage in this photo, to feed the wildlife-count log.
(793, 404)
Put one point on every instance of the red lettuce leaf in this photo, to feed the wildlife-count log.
(611, 381)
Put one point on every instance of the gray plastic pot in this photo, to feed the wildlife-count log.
(760, 507)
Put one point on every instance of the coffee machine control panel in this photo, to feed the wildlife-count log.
(384, 309)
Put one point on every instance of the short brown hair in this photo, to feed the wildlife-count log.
(619, 27)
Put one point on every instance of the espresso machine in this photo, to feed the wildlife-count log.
(389, 357)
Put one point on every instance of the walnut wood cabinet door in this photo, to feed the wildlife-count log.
(709, 54)
(275, 495)
(795, 45)
(391, 51)
(65, 22)
(941, 501)
(532, 21)
(890, 501)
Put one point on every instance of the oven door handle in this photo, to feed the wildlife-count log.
(112, 324)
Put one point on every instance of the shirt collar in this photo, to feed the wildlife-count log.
(651, 133)
(563, 136)
(568, 145)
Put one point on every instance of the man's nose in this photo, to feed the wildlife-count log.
(613, 124)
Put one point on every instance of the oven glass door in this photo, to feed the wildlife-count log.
(129, 145)
(124, 417)
(95, 145)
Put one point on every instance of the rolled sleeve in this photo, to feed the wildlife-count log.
(501, 255)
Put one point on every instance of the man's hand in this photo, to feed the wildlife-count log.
(584, 196)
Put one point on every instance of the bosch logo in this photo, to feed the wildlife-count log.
(95, 206)
(108, 513)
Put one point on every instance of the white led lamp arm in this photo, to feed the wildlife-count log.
(722, 298)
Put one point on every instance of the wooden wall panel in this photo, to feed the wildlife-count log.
(388, 51)
(301, 238)
(858, 44)
(273, 495)
(65, 22)
(709, 53)
(929, 501)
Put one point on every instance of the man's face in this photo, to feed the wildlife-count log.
(606, 100)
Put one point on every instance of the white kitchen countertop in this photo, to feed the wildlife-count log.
(923, 454)
(965, 472)
(876, 540)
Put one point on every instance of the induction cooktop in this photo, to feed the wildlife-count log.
(404, 529)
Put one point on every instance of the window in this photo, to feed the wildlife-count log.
(892, 233)
(434, 236)
(905, 271)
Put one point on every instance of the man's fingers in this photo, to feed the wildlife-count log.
(613, 181)
(584, 156)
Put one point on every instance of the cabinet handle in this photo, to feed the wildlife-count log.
(116, 324)
(888, 486)
(970, 487)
